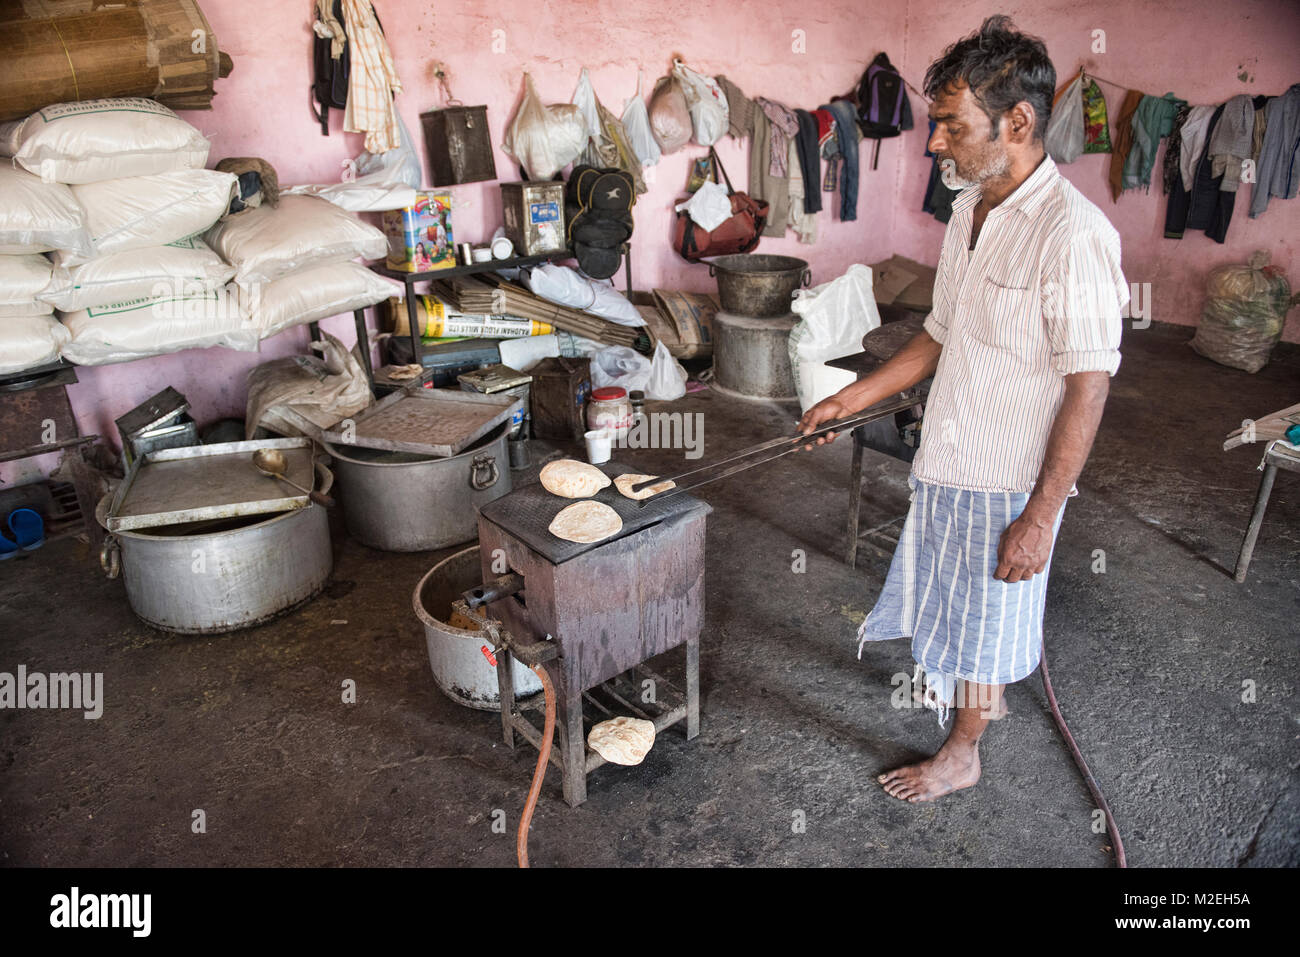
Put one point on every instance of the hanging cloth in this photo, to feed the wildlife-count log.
(373, 81)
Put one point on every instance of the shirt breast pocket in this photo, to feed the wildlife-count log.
(1011, 314)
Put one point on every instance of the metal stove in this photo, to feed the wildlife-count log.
(593, 615)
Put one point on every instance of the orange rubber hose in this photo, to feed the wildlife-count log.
(543, 756)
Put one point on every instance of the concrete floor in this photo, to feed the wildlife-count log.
(1148, 659)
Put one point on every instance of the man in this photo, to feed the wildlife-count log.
(1022, 339)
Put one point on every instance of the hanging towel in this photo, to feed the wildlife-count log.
(1152, 121)
(740, 108)
(1192, 145)
(373, 80)
(1122, 141)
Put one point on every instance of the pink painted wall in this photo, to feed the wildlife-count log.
(1204, 51)
(261, 110)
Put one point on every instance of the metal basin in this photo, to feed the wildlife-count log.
(404, 502)
(758, 286)
(460, 669)
(221, 575)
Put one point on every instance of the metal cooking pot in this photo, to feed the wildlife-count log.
(758, 286)
(221, 575)
(404, 502)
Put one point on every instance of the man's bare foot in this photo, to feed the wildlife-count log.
(934, 777)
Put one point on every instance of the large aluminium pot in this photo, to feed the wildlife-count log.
(403, 502)
(456, 655)
(218, 576)
(758, 286)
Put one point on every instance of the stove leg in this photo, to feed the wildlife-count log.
(692, 687)
(574, 745)
(506, 687)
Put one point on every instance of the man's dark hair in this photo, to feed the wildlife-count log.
(1002, 67)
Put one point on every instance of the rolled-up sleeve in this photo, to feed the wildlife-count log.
(940, 317)
(1083, 304)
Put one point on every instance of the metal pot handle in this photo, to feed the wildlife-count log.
(481, 463)
(712, 271)
(110, 557)
(807, 277)
(326, 477)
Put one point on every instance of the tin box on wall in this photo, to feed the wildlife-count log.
(459, 145)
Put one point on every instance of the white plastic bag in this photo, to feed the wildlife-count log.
(1063, 138)
(584, 98)
(833, 319)
(562, 284)
(667, 377)
(636, 121)
(621, 367)
(707, 104)
(373, 182)
(321, 390)
(397, 167)
(709, 206)
(544, 139)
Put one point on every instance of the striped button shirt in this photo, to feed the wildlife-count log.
(1039, 298)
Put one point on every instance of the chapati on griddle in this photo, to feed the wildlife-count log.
(572, 479)
(586, 522)
(625, 482)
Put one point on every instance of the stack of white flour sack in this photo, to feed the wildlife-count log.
(104, 209)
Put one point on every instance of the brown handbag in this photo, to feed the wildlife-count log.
(739, 234)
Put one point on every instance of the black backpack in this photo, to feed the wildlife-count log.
(330, 86)
(598, 207)
(883, 107)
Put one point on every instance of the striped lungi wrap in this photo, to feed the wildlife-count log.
(940, 592)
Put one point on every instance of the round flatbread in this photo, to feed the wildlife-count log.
(622, 740)
(586, 522)
(572, 479)
(624, 484)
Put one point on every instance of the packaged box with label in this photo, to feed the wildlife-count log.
(419, 236)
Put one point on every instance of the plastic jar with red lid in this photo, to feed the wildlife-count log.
(609, 409)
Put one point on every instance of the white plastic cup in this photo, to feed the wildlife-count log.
(502, 248)
(599, 442)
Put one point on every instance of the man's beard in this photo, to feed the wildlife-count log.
(992, 166)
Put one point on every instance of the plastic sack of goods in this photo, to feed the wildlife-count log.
(29, 341)
(184, 265)
(148, 327)
(95, 140)
(36, 217)
(269, 242)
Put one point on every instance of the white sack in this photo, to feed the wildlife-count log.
(266, 243)
(36, 217)
(104, 139)
(32, 307)
(317, 293)
(150, 327)
(563, 285)
(24, 278)
(29, 341)
(142, 211)
(834, 318)
(667, 376)
(184, 266)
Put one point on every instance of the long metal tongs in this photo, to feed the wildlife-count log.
(754, 455)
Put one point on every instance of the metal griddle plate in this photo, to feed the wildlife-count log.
(526, 512)
(200, 482)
